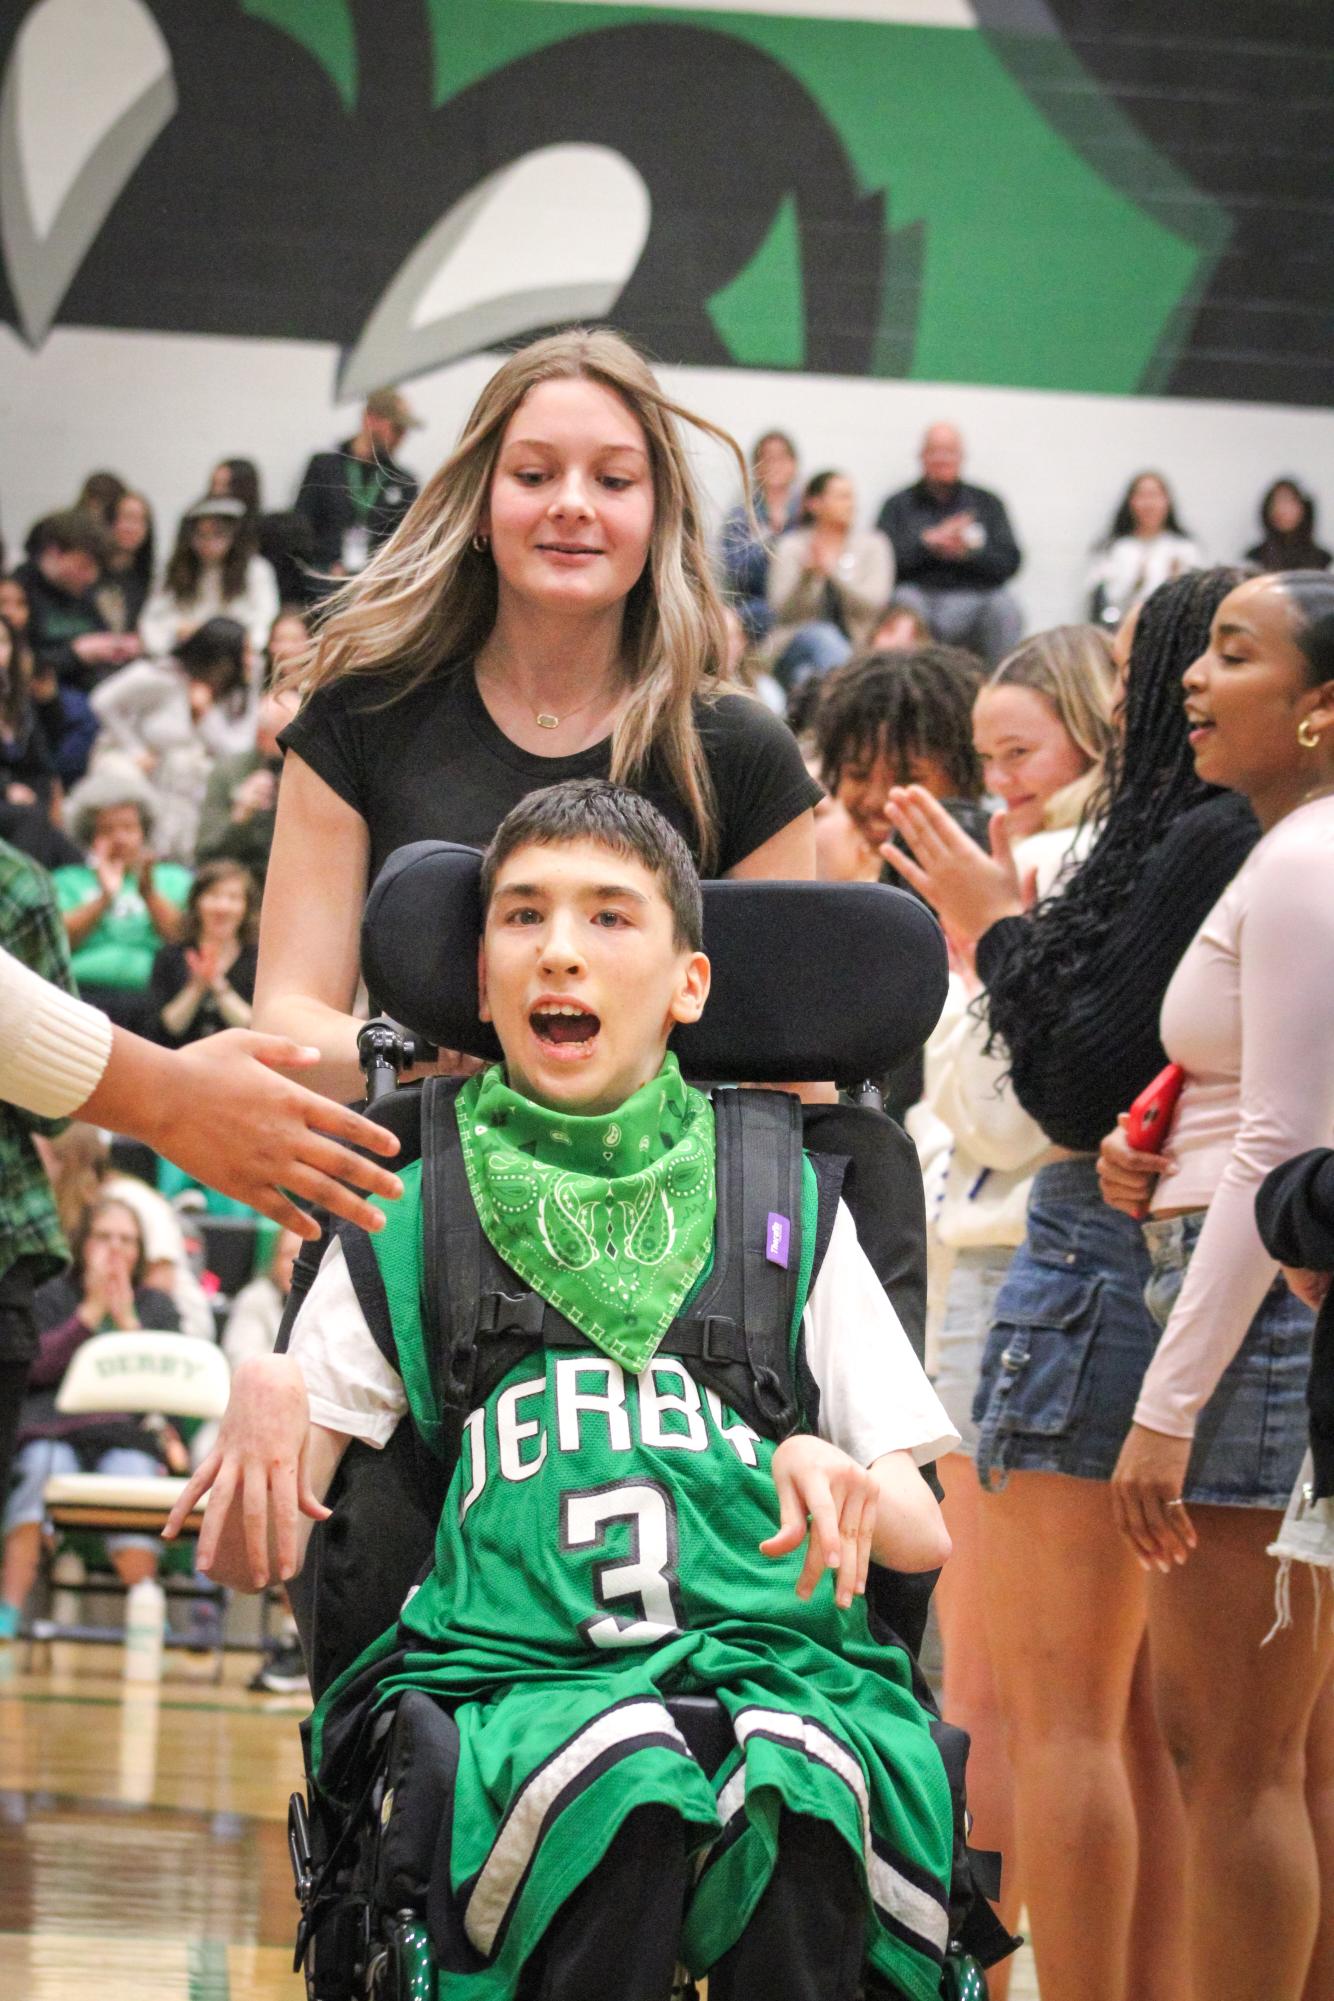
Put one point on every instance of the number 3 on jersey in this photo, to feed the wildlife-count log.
(647, 1579)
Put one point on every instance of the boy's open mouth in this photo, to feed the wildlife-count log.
(564, 1024)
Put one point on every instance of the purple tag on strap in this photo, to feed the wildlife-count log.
(777, 1238)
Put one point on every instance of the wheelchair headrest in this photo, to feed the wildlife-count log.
(810, 980)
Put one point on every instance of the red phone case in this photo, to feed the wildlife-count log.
(1151, 1115)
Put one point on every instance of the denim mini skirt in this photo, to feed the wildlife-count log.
(1071, 1338)
(1251, 1436)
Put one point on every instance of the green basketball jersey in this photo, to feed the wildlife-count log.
(598, 1551)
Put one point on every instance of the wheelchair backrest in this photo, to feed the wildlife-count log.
(811, 980)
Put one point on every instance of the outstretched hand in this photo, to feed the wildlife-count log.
(256, 1478)
(222, 1110)
(828, 1501)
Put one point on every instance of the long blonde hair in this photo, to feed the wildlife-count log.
(428, 598)
(1071, 667)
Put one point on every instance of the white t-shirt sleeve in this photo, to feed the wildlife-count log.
(874, 1393)
(350, 1385)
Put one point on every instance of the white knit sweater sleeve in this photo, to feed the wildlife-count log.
(53, 1048)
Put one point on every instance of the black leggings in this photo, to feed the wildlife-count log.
(617, 1937)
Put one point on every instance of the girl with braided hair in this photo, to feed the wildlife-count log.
(1074, 992)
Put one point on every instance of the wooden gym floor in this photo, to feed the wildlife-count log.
(143, 1834)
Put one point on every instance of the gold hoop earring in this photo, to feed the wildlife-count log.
(481, 543)
(1308, 736)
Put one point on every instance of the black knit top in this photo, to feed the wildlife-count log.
(1107, 1047)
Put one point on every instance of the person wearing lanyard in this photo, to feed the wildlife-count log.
(355, 497)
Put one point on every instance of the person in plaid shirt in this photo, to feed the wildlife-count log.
(31, 1246)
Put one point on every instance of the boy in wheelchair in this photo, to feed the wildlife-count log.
(619, 1458)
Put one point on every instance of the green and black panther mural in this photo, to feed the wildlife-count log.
(1114, 196)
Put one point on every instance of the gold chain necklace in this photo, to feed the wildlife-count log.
(544, 719)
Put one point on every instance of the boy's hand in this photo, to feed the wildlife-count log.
(257, 1473)
(821, 1487)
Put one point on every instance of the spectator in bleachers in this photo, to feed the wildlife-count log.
(206, 982)
(122, 903)
(174, 719)
(66, 629)
(901, 630)
(72, 647)
(99, 496)
(215, 571)
(27, 774)
(127, 571)
(1145, 546)
(355, 497)
(829, 583)
(237, 479)
(289, 641)
(746, 548)
(14, 604)
(955, 552)
(1287, 515)
(104, 1292)
(79, 1163)
(241, 801)
(746, 667)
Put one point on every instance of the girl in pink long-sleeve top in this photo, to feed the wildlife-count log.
(1220, 1424)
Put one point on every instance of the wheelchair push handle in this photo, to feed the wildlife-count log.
(385, 1051)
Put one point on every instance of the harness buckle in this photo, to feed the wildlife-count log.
(708, 1351)
(511, 1313)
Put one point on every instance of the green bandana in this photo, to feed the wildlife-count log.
(610, 1218)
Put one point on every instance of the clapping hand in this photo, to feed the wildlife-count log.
(110, 873)
(205, 965)
(255, 794)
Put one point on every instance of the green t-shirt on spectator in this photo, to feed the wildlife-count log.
(119, 951)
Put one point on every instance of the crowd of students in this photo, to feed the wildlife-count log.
(1126, 829)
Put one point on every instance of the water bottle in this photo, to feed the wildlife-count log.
(145, 1625)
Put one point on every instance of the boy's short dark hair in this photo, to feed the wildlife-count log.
(69, 530)
(593, 809)
(918, 703)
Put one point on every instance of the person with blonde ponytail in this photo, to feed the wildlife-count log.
(545, 611)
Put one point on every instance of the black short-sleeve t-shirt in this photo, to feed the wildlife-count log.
(434, 765)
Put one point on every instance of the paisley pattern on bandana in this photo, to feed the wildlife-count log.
(609, 1217)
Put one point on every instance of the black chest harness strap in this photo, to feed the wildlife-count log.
(480, 1318)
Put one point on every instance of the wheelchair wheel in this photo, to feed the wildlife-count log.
(963, 1980)
(405, 1970)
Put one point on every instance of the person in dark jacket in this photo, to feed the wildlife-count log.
(954, 551)
(102, 1293)
(1295, 1213)
(72, 646)
(355, 497)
